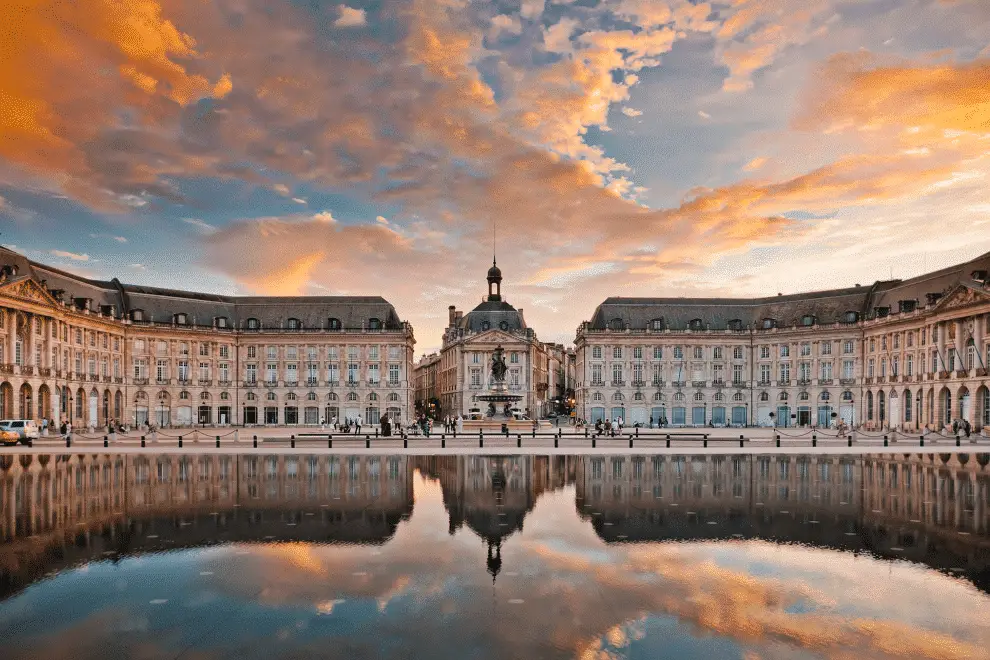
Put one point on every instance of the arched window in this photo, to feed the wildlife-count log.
(204, 396)
(783, 396)
(352, 396)
(679, 396)
(696, 324)
(372, 397)
(333, 324)
(719, 396)
(253, 324)
(735, 324)
(657, 324)
(271, 396)
(807, 320)
(374, 324)
(850, 317)
(393, 397)
(617, 396)
(847, 396)
(332, 396)
(769, 323)
(311, 396)
(597, 396)
(804, 396)
(137, 315)
(183, 395)
(251, 396)
(180, 318)
(869, 405)
(764, 396)
(658, 396)
(222, 322)
(971, 354)
(290, 396)
(616, 324)
(224, 396)
(738, 396)
(294, 324)
(699, 396)
(638, 396)
(486, 325)
(824, 396)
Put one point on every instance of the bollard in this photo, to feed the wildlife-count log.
(68, 440)
(443, 443)
(586, 431)
(668, 442)
(957, 440)
(405, 442)
(885, 441)
(142, 441)
(778, 440)
(481, 441)
(741, 441)
(557, 437)
(922, 441)
(180, 442)
(593, 442)
(376, 431)
(218, 442)
(367, 442)
(850, 439)
(630, 442)
(106, 443)
(705, 441)
(292, 442)
(519, 440)
(814, 440)
(637, 433)
(534, 433)
(255, 442)
(329, 442)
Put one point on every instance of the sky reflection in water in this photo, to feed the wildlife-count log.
(474, 557)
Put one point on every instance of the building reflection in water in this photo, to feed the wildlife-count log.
(60, 510)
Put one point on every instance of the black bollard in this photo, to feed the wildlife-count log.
(922, 441)
(586, 431)
(885, 441)
(106, 443)
(142, 441)
(740, 441)
(593, 441)
(218, 442)
(519, 440)
(68, 441)
(850, 439)
(443, 443)
(814, 441)
(180, 442)
(481, 440)
(367, 442)
(705, 442)
(668, 442)
(329, 442)
(556, 438)
(292, 442)
(778, 440)
(255, 442)
(376, 431)
(405, 442)
(957, 440)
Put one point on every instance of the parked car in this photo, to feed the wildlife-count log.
(26, 429)
(9, 437)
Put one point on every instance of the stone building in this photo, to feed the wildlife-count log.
(87, 351)
(897, 354)
(463, 369)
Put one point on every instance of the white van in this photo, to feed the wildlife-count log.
(26, 429)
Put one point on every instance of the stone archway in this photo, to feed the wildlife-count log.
(964, 409)
(25, 401)
(6, 400)
(982, 419)
(943, 416)
(44, 402)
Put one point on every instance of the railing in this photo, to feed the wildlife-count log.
(140, 381)
(678, 383)
(698, 383)
(960, 373)
(658, 383)
(205, 382)
(718, 382)
(93, 378)
(824, 381)
(895, 378)
(312, 382)
(868, 380)
(45, 372)
(847, 381)
(393, 383)
(271, 383)
(639, 383)
(943, 375)
(6, 368)
(783, 382)
(618, 383)
(224, 383)
(598, 383)
(251, 383)
(804, 382)
(763, 383)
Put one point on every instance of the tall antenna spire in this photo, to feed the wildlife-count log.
(494, 221)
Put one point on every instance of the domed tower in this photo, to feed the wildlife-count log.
(494, 283)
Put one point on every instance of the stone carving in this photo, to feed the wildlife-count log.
(27, 289)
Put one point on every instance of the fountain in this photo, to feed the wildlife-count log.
(498, 396)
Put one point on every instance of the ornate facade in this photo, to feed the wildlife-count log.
(905, 355)
(87, 351)
(461, 371)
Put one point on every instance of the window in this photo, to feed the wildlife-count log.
(253, 324)
(883, 343)
(183, 370)
(514, 358)
(333, 324)
(826, 371)
(252, 373)
(617, 352)
(373, 375)
(294, 324)
(764, 352)
(272, 352)
(374, 324)
(870, 367)
(656, 324)
(161, 372)
(805, 349)
(768, 324)
(785, 371)
(291, 353)
(372, 352)
(224, 351)
(291, 373)
(737, 374)
(847, 347)
(596, 375)
(224, 372)
(252, 352)
(895, 363)
(638, 353)
(804, 371)
(657, 352)
(785, 350)
(826, 348)
(909, 365)
(678, 353)
(764, 374)
(897, 341)
(873, 344)
(596, 352)
(271, 372)
(616, 374)
(699, 353)
(352, 372)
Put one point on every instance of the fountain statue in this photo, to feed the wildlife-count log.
(498, 390)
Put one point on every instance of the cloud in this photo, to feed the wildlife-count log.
(324, 216)
(299, 200)
(119, 239)
(202, 226)
(755, 164)
(531, 9)
(509, 24)
(350, 17)
(631, 112)
(69, 255)
(704, 115)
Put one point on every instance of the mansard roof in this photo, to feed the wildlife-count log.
(823, 307)
(162, 304)
(492, 314)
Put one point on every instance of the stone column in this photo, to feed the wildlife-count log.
(960, 344)
(29, 348)
(940, 345)
(11, 336)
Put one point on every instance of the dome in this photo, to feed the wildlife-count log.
(494, 272)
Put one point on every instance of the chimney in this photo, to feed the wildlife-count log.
(458, 316)
(451, 315)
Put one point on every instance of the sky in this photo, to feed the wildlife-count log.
(617, 148)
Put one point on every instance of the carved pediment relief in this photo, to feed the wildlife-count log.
(25, 288)
(494, 337)
(962, 296)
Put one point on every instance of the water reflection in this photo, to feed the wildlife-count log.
(450, 557)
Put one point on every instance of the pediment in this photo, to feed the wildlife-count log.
(494, 337)
(962, 296)
(25, 288)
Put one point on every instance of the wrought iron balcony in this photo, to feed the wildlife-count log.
(699, 383)
(804, 382)
(639, 383)
(253, 382)
(618, 383)
(140, 381)
(824, 381)
(658, 383)
(847, 381)
(205, 382)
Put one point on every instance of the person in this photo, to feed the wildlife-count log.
(599, 427)
(955, 426)
(966, 427)
(651, 421)
(384, 424)
(323, 423)
(460, 423)
(64, 431)
(357, 426)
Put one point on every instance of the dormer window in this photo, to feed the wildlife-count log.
(807, 320)
(735, 324)
(137, 315)
(932, 298)
(253, 324)
(850, 317)
(294, 324)
(769, 324)
(696, 324)
(222, 322)
(374, 324)
(333, 324)
(485, 325)
(616, 324)
(180, 318)
(906, 306)
(657, 324)
(881, 312)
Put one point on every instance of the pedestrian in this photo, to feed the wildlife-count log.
(64, 431)
(966, 427)
(651, 421)
(357, 426)
(460, 423)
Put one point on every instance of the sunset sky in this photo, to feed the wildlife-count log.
(628, 147)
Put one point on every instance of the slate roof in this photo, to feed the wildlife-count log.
(161, 304)
(825, 306)
(494, 313)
